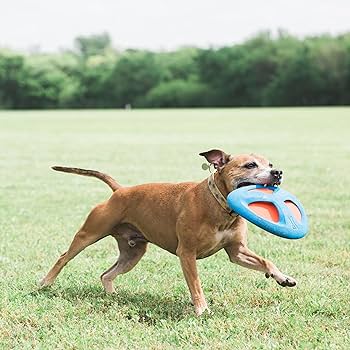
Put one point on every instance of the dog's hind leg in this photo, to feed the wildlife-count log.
(98, 224)
(130, 253)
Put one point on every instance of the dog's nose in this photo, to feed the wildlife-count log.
(276, 173)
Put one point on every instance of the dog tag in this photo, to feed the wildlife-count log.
(205, 166)
(271, 208)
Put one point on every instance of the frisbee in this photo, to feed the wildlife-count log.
(271, 208)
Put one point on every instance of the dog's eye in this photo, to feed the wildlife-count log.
(270, 165)
(251, 165)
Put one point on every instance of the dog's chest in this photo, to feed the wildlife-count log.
(216, 241)
(223, 236)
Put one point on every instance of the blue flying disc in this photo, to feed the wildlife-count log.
(271, 208)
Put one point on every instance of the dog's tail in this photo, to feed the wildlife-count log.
(93, 173)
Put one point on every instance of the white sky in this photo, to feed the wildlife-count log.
(163, 24)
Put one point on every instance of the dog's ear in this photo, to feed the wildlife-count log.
(216, 157)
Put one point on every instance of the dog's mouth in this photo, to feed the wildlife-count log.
(245, 183)
(249, 183)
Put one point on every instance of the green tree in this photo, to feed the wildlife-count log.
(133, 76)
(94, 77)
(11, 79)
(93, 45)
(177, 93)
(236, 76)
(262, 71)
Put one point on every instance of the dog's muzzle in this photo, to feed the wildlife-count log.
(277, 176)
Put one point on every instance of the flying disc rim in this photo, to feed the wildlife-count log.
(287, 226)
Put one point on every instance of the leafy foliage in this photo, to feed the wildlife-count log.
(263, 71)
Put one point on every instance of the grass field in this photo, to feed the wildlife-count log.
(40, 210)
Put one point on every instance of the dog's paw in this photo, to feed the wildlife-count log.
(287, 282)
(110, 290)
(283, 280)
(107, 285)
(200, 309)
(43, 283)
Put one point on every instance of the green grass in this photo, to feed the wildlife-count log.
(40, 210)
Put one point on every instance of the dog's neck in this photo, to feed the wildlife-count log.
(219, 192)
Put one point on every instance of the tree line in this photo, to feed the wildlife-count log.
(262, 71)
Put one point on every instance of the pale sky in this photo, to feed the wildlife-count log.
(163, 24)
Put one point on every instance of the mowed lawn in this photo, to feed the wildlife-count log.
(40, 210)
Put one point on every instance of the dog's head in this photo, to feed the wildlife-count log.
(243, 170)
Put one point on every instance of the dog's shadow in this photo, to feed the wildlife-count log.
(141, 306)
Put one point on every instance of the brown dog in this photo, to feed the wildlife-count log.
(188, 219)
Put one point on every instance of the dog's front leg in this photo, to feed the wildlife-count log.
(240, 254)
(189, 268)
